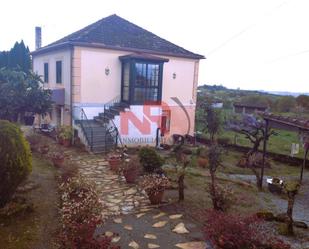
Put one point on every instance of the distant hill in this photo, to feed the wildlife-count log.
(261, 92)
(294, 94)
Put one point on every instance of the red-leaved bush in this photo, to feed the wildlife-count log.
(80, 216)
(227, 231)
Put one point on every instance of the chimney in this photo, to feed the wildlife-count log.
(38, 37)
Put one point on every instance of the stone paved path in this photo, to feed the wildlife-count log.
(153, 229)
(129, 214)
(116, 196)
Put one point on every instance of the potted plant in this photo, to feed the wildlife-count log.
(202, 162)
(114, 161)
(65, 135)
(44, 149)
(154, 185)
(57, 159)
(34, 140)
(131, 169)
(275, 185)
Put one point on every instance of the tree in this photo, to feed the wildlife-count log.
(211, 117)
(303, 101)
(256, 100)
(291, 189)
(182, 157)
(254, 130)
(15, 158)
(214, 156)
(17, 57)
(285, 104)
(22, 92)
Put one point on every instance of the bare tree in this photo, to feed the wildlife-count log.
(182, 157)
(291, 189)
(254, 130)
(212, 118)
(214, 156)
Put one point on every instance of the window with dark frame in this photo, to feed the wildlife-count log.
(146, 82)
(58, 72)
(46, 72)
(141, 80)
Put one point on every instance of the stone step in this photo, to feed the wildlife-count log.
(101, 120)
(113, 110)
(108, 114)
(122, 104)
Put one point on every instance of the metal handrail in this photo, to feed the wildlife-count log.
(106, 107)
(117, 134)
(83, 117)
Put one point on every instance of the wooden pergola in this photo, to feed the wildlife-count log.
(286, 123)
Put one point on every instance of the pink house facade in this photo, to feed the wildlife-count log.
(120, 84)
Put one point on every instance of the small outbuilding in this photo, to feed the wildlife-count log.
(246, 108)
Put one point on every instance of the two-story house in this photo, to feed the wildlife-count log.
(116, 78)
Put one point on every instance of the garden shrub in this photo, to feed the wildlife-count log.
(223, 196)
(80, 215)
(15, 160)
(265, 215)
(224, 141)
(34, 141)
(68, 171)
(227, 231)
(150, 159)
(65, 132)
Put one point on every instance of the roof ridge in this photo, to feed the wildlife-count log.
(91, 26)
(152, 33)
(115, 31)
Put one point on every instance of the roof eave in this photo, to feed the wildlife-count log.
(99, 45)
(50, 48)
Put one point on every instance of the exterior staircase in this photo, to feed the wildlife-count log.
(110, 112)
(100, 133)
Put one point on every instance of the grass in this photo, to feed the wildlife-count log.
(33, 229)
(280, 143)
(248, 199)
(231, 158)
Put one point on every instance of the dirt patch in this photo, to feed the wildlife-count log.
(36, 229)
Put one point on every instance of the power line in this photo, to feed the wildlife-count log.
(245, 29)
(288, 56)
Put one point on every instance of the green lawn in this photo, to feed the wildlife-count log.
(280, 143)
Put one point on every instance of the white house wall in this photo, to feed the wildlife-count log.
(93, 87)
(51, 58)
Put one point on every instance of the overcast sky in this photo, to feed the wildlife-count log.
(250, 44)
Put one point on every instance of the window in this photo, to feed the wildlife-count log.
(45, 72)
(58, 72)
(141, 81)
(146, 83)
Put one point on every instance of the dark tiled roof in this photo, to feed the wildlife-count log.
(115, 32)
(249, 105)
